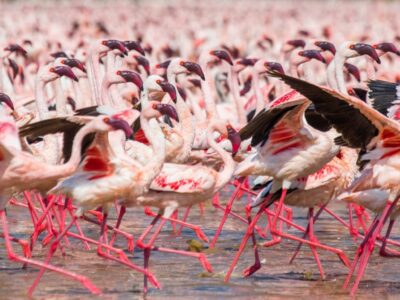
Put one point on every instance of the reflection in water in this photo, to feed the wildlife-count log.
(181, 277)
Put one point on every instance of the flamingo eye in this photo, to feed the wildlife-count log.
(107, 120)
(118, 72)
(52, 70)
(351, 47)
(104, 42)
(181, 63)
(158, 81)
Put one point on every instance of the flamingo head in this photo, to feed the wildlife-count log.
(311, 54)
(4, 98)
(17, 49)
(74, 63)
(349, 49)
(166, 109)
(134, 45)
(118, 124)
(353, 70)
(294, 44)
(326, 46)
(167, 88)
(222, 55)
(234, 138)
(130, 76)
(387, 48)
(115, 45)
(61, 71)
(180, 66)
(59, 54)
(141, 60)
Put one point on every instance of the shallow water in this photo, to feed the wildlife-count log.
(183, 277)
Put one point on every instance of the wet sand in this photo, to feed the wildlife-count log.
(183, 277)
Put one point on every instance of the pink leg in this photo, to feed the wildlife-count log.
(45, 266)
(148, 247)
(121, 214)
(227, 211)
(246, 237)
(312, 238)
(200, 234)
(257, 263)
(386, 252)
(185, 216)
(306, 233)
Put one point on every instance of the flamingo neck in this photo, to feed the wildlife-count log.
(229, 165)
(233, 82)
(255, 84)
(330, 78)
(185, 117)
(339, 64)
(61, 106)
(41, 104)
(156, 139)
(93, 67)
(211, 109)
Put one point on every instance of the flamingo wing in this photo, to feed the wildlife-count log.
(360, 125)
(183, 179)
(260, 127)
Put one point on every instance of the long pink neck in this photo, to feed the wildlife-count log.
(255, 84)
(211, 109)
(185, 117)
(93, 76)
(229, 165)
(155, 136)
(41, 104)
(234, 85)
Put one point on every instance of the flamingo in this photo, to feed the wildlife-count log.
(374, 133)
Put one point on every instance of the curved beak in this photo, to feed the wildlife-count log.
(74, 63)
(312, 54)
(194, 68)
(248, 62)
(365, 49)
(17, 49)
(71, 102)
(387, 47)
(116, 45)
(7, 100)
(59, 54)
(353, 70)
(133, 45)
(14, 68)
(246, 87)
(274, 66)
(117, 123)
(144, 63)
(223, 55)
(168, 88)
(235, 139)
(296, 43)
(133, 77)
(163, 65)
(168, 110)
(64, 71)
(195, 82)
(326, 46)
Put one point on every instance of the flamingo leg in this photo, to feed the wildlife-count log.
(306, 233)
(249, 232)
(386, 252)
(121, 214)
(149, 246)
(185, 216)
(227, 211)
(45, 266)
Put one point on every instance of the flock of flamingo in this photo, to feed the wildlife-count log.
(157, 107)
